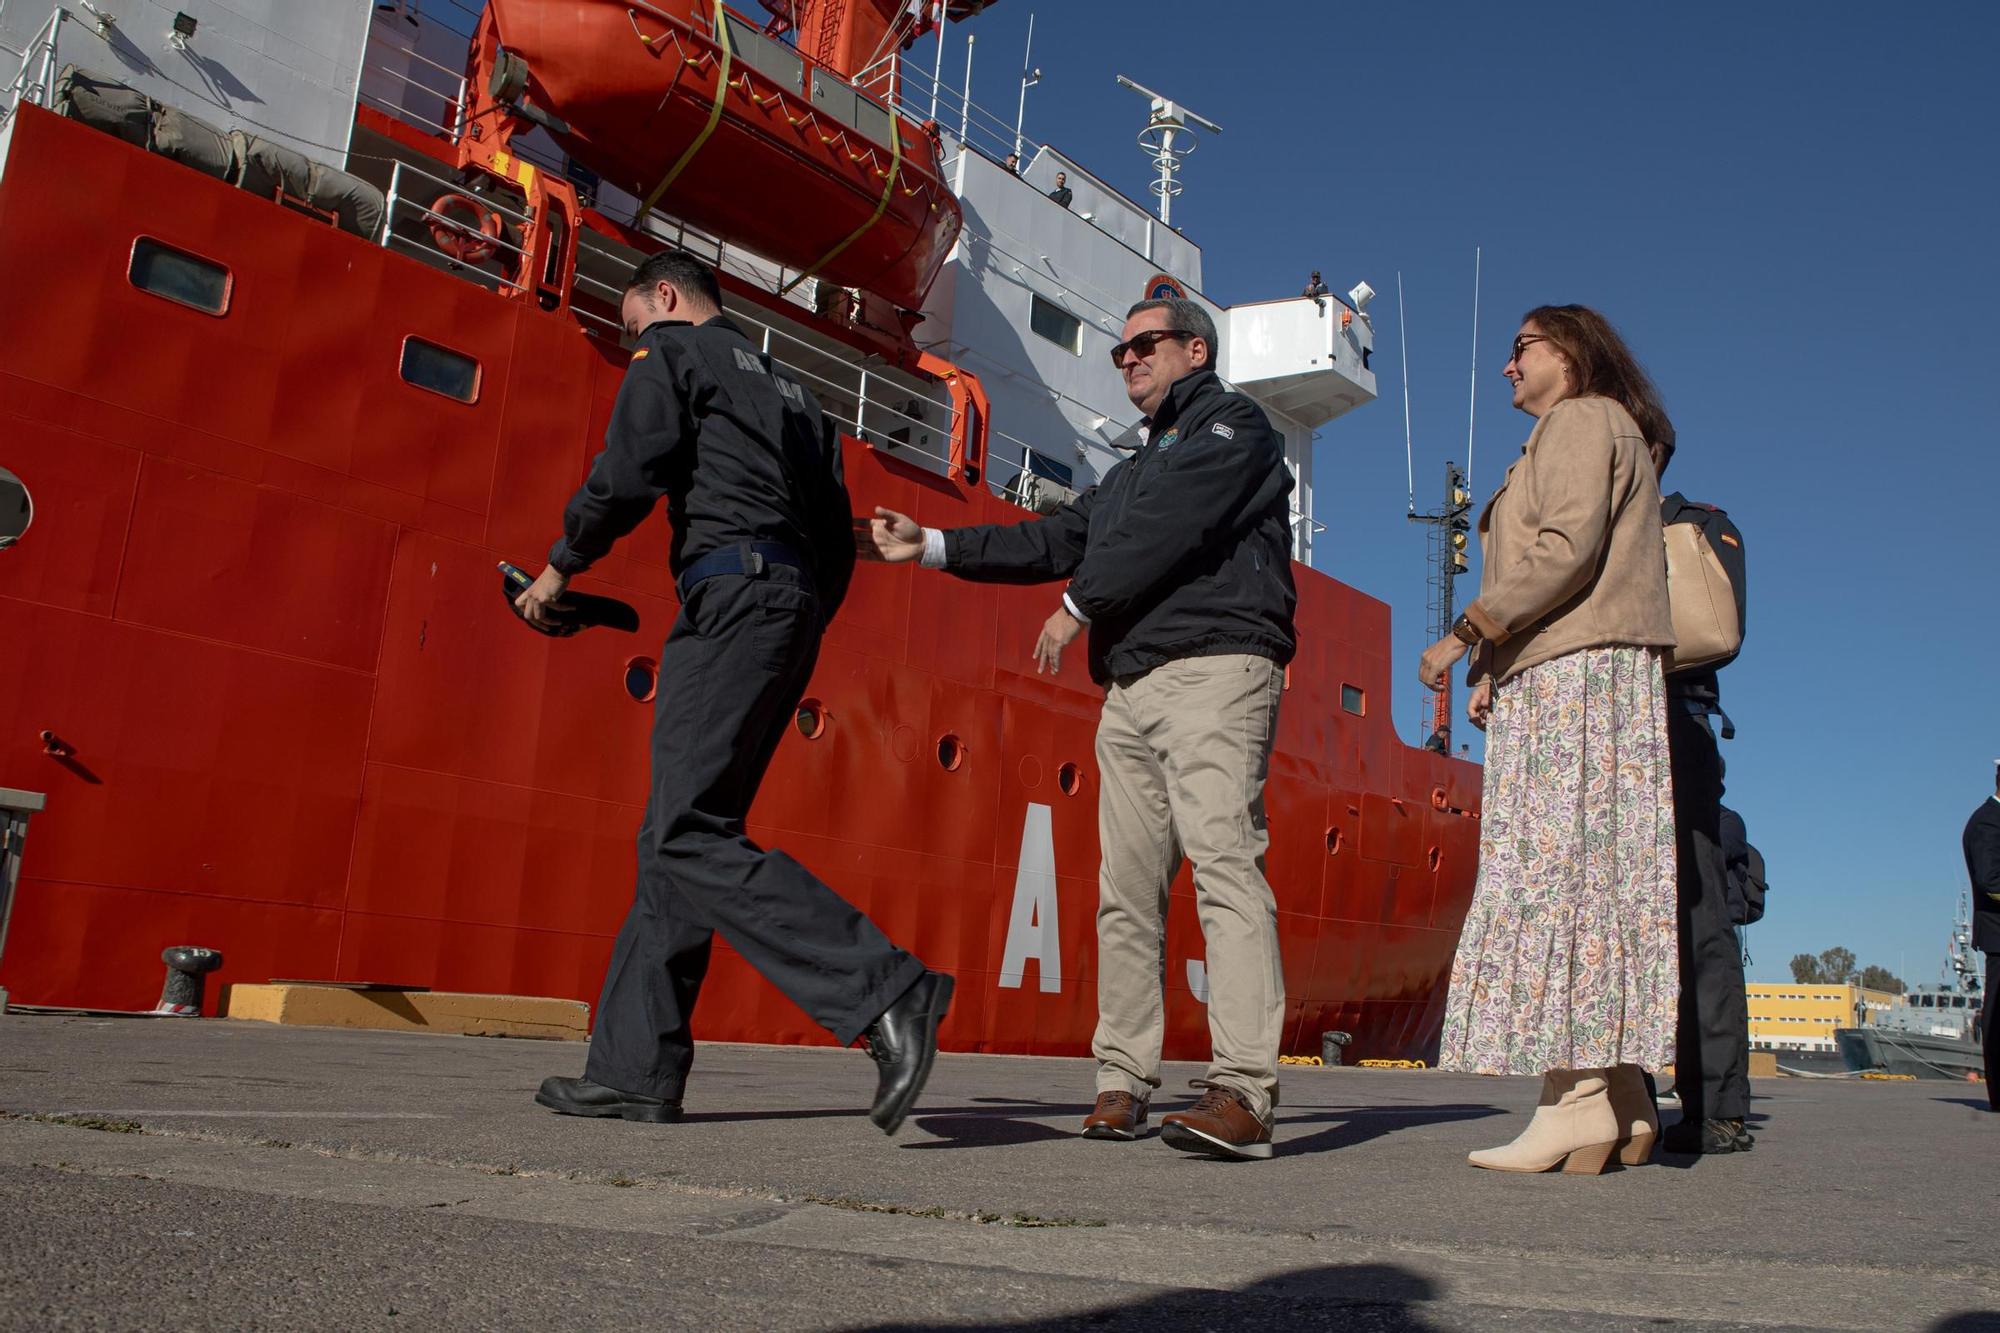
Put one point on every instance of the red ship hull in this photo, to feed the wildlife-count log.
(258, 607)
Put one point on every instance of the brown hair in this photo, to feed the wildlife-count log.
(1600, 363)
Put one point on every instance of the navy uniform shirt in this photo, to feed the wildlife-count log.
(739, 450)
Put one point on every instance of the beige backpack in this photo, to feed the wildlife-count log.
(1706, 628)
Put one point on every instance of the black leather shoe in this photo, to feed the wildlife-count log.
(579, 1096)
(1703, 1137)
(903, 1042)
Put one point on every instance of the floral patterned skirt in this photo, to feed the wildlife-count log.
(1569, 958)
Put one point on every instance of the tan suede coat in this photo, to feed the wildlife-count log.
(1573, 553)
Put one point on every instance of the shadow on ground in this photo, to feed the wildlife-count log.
(1005, 1123)
(1343, 1296)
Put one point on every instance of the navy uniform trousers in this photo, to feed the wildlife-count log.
(1712, 1044)
(734, 669)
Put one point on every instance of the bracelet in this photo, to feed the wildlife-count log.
(1466, 632)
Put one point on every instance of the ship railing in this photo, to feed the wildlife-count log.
(921, 96)
(34, 82)
(890, 410)
(425, 82)
(406, 184)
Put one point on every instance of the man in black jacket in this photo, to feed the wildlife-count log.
(1179, 562)
(763, 547)
(1982, 864)
(1712, 1046)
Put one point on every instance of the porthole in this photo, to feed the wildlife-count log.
(440, 370)
(1333, 842)
(1070, 778)
(642, 679)
(811, 719)
(950, 752)
(1436, 858)
(17, 508)
(177, 276)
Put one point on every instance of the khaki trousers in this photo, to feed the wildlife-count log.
(1184, 751)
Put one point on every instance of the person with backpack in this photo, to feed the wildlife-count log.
(1712, 1041)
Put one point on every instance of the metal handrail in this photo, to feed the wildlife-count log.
(19, 90)
(453, 97)
(396, 198)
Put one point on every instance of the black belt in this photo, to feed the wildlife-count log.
(749, 559)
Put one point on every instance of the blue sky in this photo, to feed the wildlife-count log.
(1790, 211)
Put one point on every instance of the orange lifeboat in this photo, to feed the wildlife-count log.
(692, 108)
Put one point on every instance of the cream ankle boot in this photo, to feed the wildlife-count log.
(1573, 1128)
(1638, 1121)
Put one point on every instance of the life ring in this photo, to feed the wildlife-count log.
(464, 228)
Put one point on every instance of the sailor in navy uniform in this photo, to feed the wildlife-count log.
(763, 548)
(1712, 1045)
(1982, 864)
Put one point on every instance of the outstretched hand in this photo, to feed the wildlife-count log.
(892, 537)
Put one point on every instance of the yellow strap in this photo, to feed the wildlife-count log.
(714, 114)
(881, 207)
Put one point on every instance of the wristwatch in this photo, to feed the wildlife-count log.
(1465, 631)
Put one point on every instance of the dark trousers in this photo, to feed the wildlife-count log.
(732, 674)
(1712, 1055)
(1989, 1017)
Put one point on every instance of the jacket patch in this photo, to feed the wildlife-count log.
(1170, 437)
(1726, 537)
(1224, 431)
(642, 352)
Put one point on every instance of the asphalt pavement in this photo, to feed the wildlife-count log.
(204, 1173)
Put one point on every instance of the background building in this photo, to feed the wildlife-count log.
(1790, 1016)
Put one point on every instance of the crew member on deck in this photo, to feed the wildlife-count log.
(1712, 1043)
(763, 547)
(1982, 863)
(1061, 194)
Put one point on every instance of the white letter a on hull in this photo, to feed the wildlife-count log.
(1032, 926)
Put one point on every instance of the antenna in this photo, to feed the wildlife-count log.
(1409, 452)
(1473, 405)
(1162, 142)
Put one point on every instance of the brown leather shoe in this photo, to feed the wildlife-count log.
(1221, 1124)
(1117, 1115)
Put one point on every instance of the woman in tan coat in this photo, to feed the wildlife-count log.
(1567, 966)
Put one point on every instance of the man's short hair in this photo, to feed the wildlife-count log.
(683, 270)
(1188, 317)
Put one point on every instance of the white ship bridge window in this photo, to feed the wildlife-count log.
(176, 275)
(1056, 324)
(441, 370)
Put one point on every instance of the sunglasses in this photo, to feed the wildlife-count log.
(1144, 343)
(1522, 343)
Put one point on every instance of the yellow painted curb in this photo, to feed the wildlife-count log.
(409, 1011)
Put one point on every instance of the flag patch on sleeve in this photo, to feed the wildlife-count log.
(1224, 431)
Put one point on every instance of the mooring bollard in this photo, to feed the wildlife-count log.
(1332, 1045)
(186, 964)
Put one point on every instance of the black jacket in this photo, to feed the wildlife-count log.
(1062, 195)
(1727, 542)
(1982, 864)
(1183, 550)
(738, 448)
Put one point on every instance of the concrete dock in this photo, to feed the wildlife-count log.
(204, 1173)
